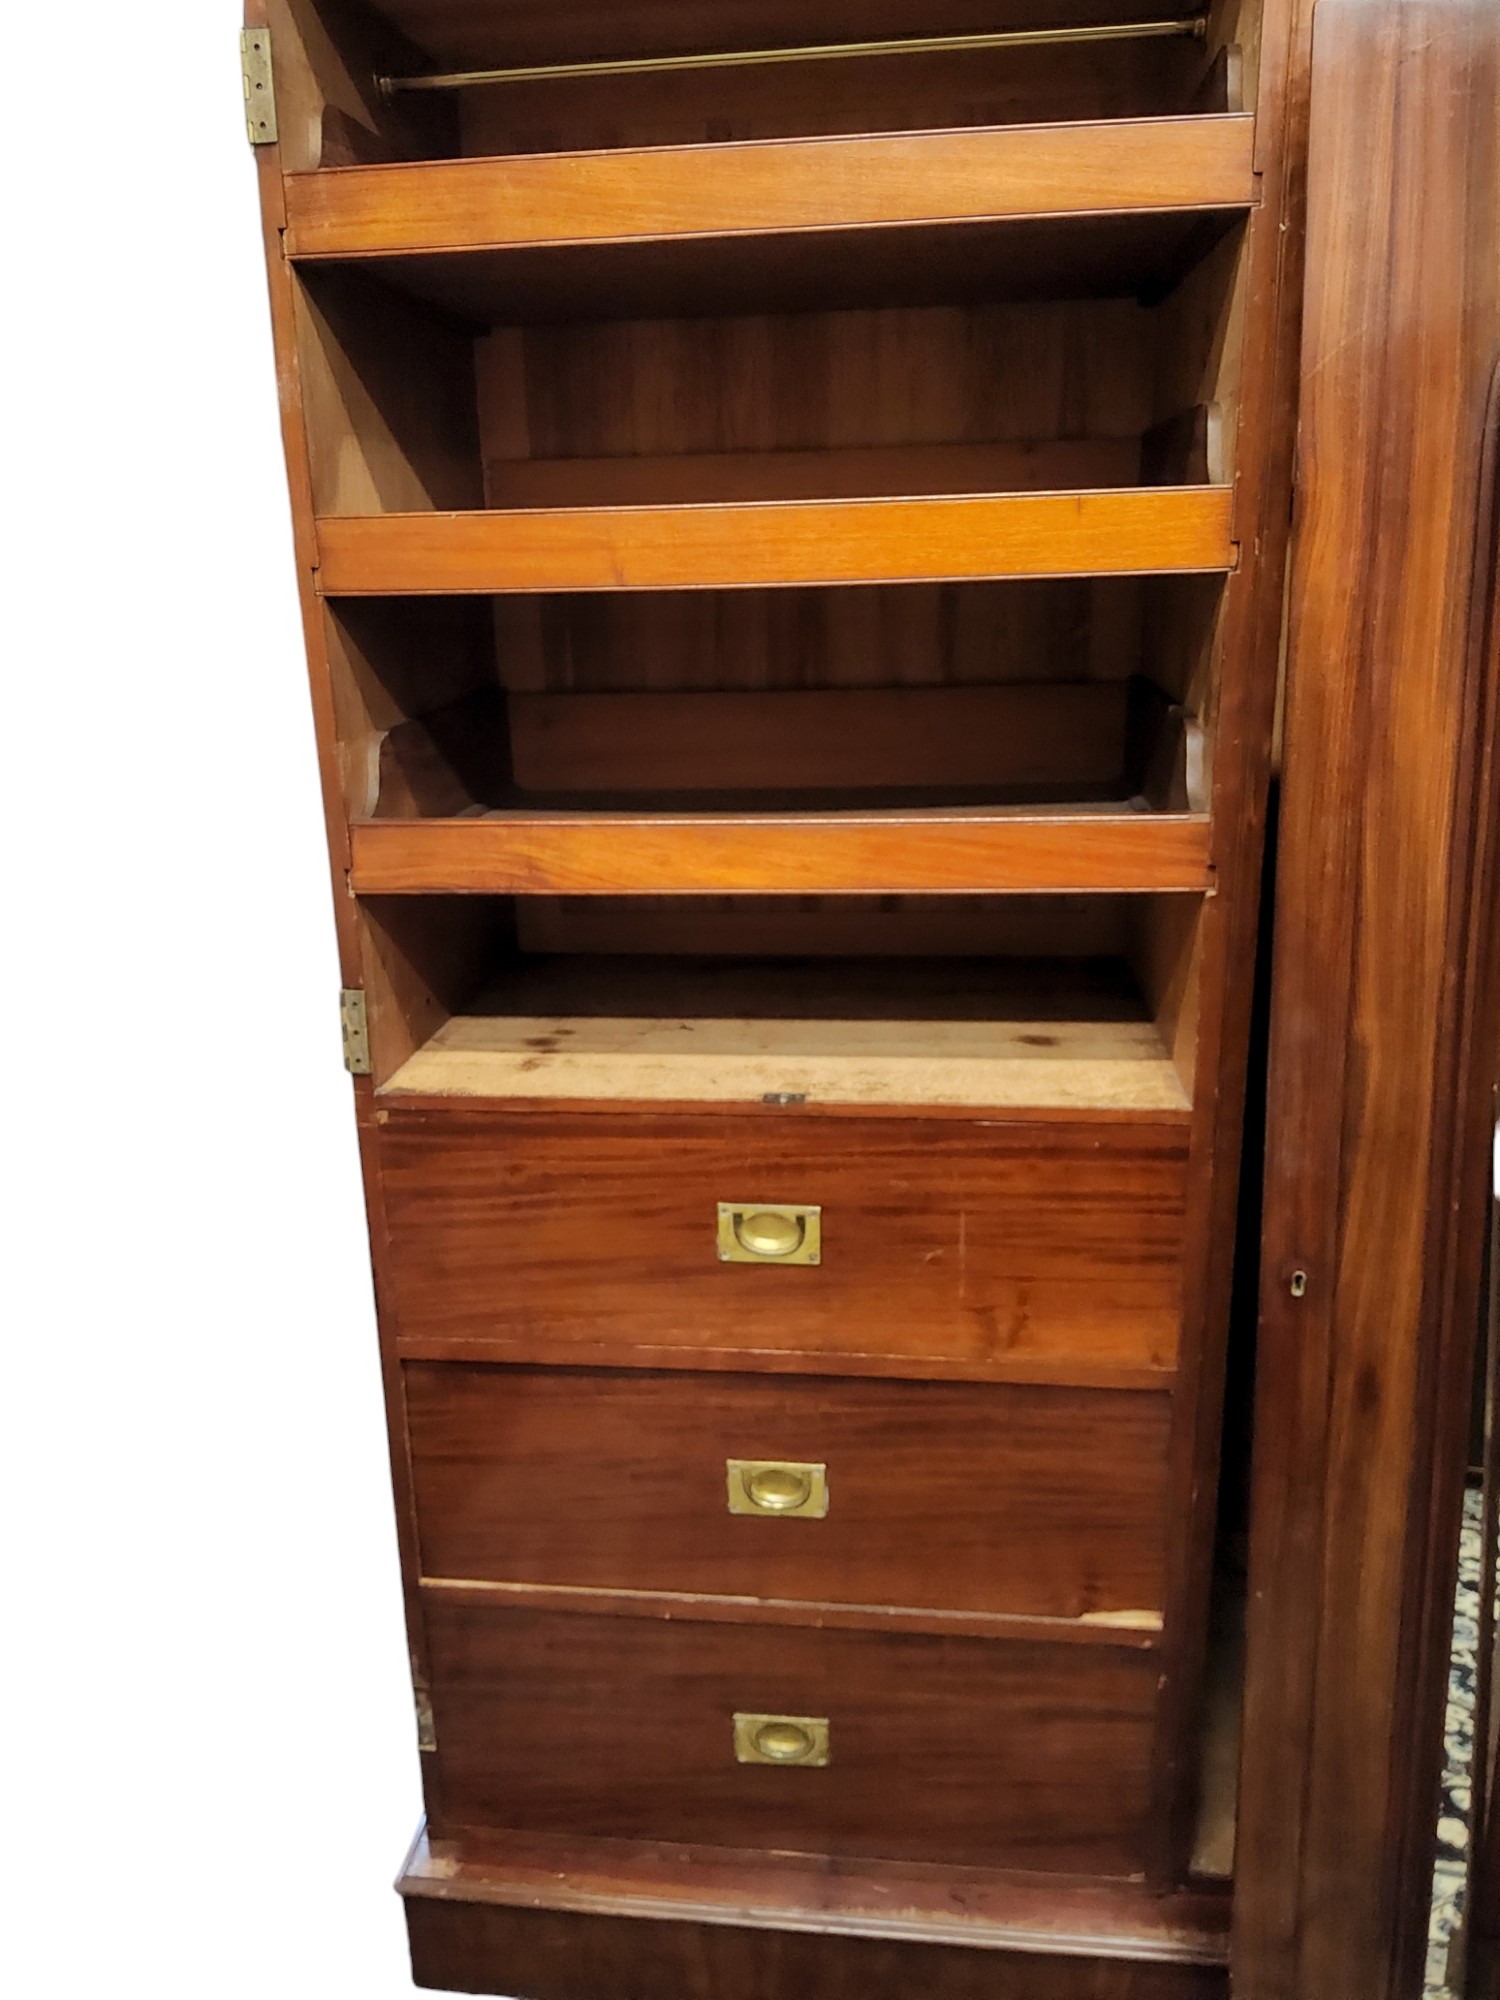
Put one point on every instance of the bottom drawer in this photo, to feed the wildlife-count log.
(1001, 1752)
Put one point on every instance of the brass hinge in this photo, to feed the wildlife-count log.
(426, 1727)
(260, 86)
(356, 1025)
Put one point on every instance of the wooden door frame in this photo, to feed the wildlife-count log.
(1384, 1005)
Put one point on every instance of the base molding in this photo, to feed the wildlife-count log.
(533, 1918)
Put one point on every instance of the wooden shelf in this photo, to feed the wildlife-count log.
(1111, 850)
(1123, 253)
(955, 1033)
(1141, 531)
(1118, 166)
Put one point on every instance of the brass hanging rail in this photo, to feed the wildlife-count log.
(1000, 38)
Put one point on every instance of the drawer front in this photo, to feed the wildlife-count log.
(937, 1749)
(960, 1497)
(1003, 1249)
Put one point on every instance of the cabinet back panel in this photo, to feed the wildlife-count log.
(889, 94)
(330, 54)
(814, 381)
(1074, 628)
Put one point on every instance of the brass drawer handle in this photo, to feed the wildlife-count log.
(782, 1739)
(769, 1233)
(780, 1487)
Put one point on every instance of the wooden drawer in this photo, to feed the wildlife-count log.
(939, 1749)
(950, 1496)
(1031, 1251)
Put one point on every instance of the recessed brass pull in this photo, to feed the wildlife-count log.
(782, 1739)
(777, 1486)
(769, 1233)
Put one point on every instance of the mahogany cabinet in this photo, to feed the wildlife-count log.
(792, 508)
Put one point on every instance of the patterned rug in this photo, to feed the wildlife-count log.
(1451, 1876)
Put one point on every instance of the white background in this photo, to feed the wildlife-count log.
(208, 1732)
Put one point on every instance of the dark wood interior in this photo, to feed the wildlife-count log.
(415, 404)
(1070, 693)
(346, 48)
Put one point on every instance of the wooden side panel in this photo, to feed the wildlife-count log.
(1032, 1251)
(789, 185)
(1021, 1500)
(1021, 1754)
(1384, 1013)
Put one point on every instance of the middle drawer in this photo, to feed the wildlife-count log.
(1007, 1499)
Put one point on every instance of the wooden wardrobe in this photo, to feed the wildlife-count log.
(792, 509)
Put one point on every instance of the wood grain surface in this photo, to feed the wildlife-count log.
(1081, 1066)
(780, 854)
(988, 1910)
(781, 185)
(1023, 1500)
(475, 1948)
(1091, 1288)
(1046, 733)
(935, 91)
(1385, 1021)
(1123, 255)
(1008, 1246)
(1021, 1754)
(459, 32)
(1154, 530)
(486, 1948)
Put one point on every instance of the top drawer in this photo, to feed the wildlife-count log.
(1005, 1251)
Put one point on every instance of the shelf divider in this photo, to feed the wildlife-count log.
(1121, 531)
(767, 187)
(894, 853)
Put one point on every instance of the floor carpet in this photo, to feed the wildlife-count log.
(1451, 1876)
